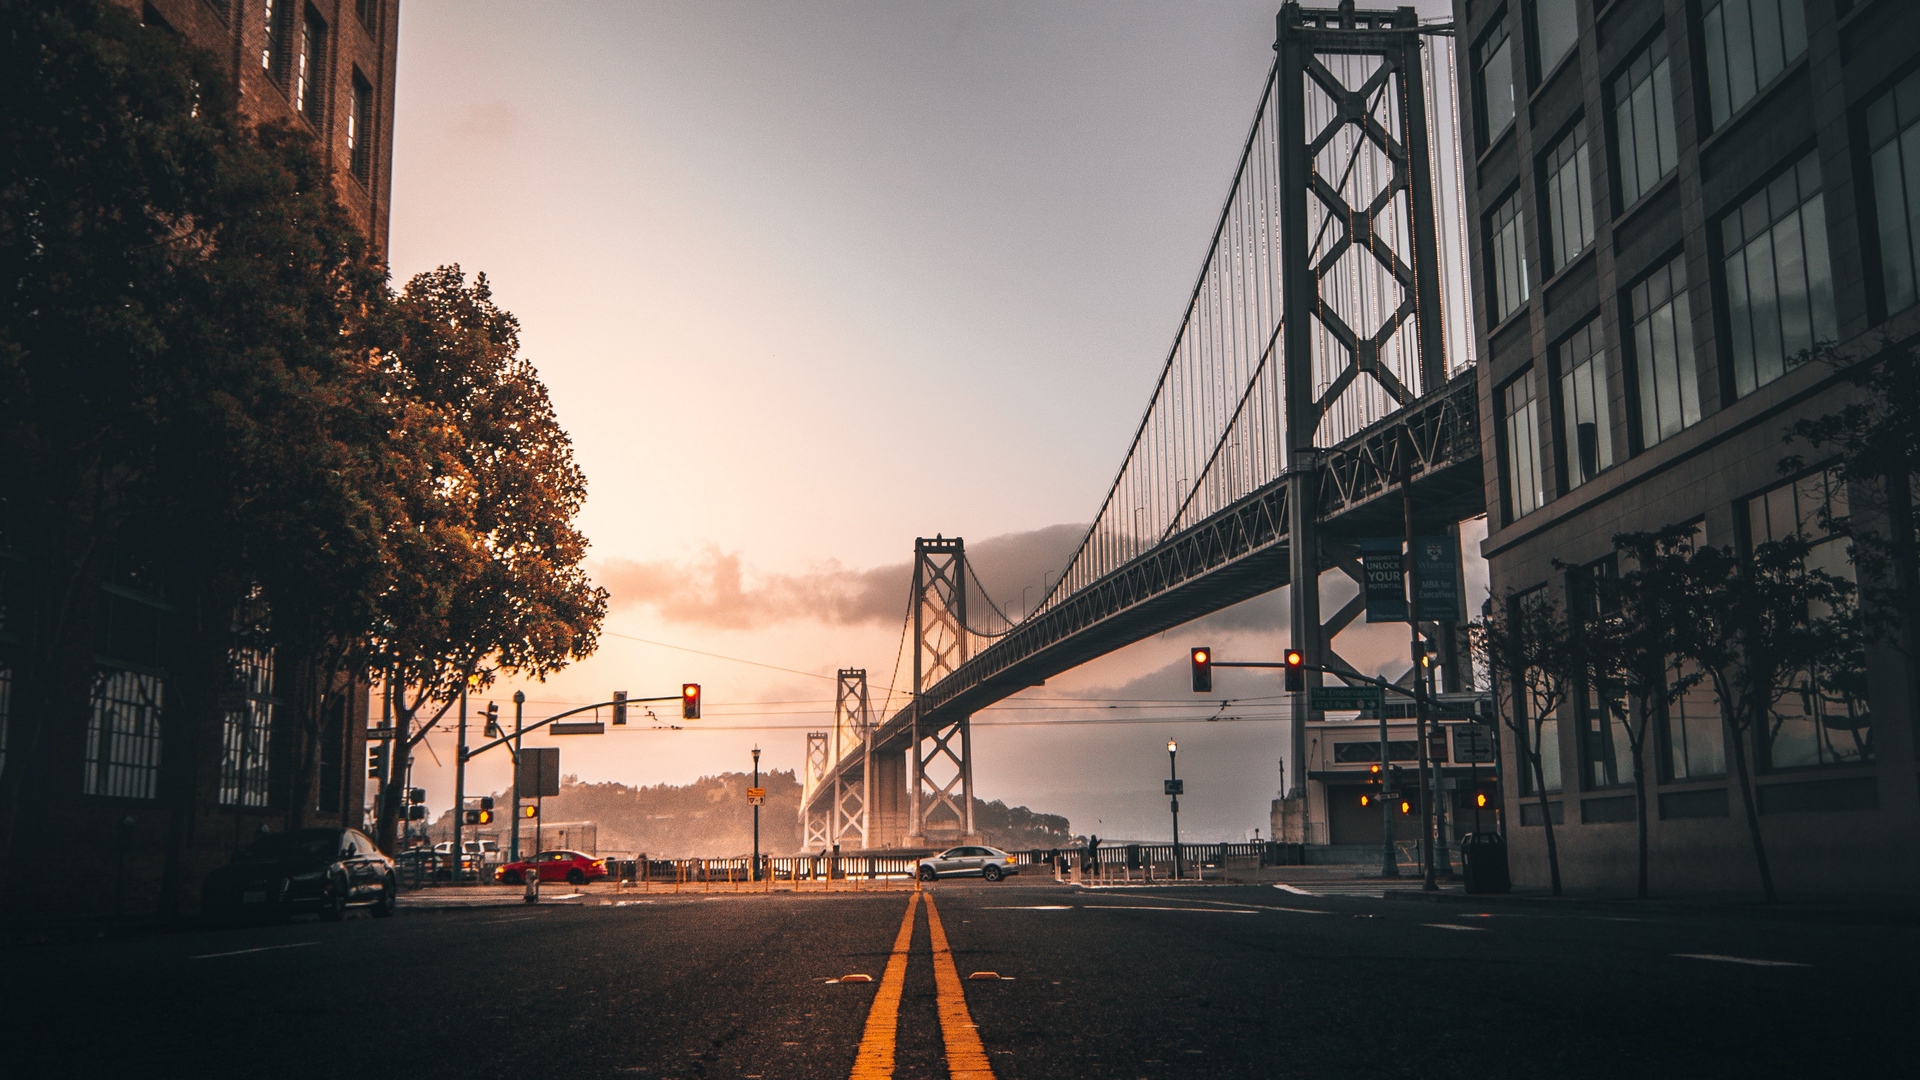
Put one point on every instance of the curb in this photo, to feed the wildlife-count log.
(1753, 909)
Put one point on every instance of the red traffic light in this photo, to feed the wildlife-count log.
(1296, 671)
(530, 810)
(690, 701)
(1202, 659)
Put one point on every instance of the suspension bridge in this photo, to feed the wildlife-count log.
(1320, 383)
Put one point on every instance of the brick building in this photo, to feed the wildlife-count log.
(176, 772)
(1672, 201)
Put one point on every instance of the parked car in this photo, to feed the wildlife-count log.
(318, 870)
(571, 867)
(989, 863)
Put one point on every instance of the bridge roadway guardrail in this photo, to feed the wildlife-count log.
(1238, 553)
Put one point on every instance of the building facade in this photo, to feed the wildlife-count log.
(179, 769)
(1672, 203)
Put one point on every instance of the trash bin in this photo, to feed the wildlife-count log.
(1133, 856)
(1484, 855)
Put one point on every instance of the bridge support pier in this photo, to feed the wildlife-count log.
(940, 798)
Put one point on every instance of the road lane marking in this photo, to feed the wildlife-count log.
(1262, 907)
(1739, 960)
(243, 952)
(1452, 926)
(875, 1058)
(1028, 907)
(966, 1057)
(1283, 887)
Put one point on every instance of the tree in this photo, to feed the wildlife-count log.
(1529, 642)
(178, 286)
(1877, 438)
(1761, 628)
(1626, 636)
(489, 579)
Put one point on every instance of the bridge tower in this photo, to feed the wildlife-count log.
(940, 790)
(851, 724)
(816, 818)
(1359, 270)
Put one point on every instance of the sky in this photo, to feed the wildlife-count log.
(808, 280)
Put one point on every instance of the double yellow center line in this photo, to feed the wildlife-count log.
(966, 1057)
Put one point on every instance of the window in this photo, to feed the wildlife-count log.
(1749, 42)
(1554, 31)
(1609, 753)
(1823, 718)
(1694, 744)
(1509, 259)
(309, 84)
(1586, 420)
(246, 734)
(1569, 200)
(275, 16)
(360, 129)
(1663, 354)
(368, 10)
(1493, 82)
(1779, 283)
(333, 754)
(123, 736)
(1643, 123)
(1549, 748)
(1893, 141)
(1524, 493)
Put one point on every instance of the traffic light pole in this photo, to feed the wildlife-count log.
(460, 792)
(519, 713)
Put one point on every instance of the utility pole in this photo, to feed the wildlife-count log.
(756, 816)
(1173, 787)
(519, 710)
(460, 792)
(1389, 862)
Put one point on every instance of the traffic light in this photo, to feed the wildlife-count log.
(417, 796)
(493, 719)
(619, 708)
(530, 810)
(486, 802)
(1480, 799)
(377, 759)
(1202, 670)
(690, 701)
(470, 817)
(1296, 671)
(1372, 790)
(416, 812)
(485, 816)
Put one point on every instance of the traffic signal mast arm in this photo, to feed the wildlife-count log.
(1350, 676)
(562, 716)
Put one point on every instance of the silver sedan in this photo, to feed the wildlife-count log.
(985, 862)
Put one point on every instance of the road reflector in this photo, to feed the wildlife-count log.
(856, 978)
(992, 975)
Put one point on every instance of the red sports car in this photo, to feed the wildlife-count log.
(569, 866)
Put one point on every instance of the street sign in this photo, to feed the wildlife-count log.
(1384, 574)
(538, 772)
(1175, 787)
(756, 800)
(1472, 744)
(1436, 569)
(1346, 697)
(383, 733)
(578, 727)
(756, 793)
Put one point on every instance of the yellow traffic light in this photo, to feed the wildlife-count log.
(1480, 799)
(486, 817)
(1365, 799)
(1406, 807)
(530, 810)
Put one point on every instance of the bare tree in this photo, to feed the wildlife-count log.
(1530, 641)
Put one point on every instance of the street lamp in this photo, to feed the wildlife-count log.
(756, 815)
(1173, 790)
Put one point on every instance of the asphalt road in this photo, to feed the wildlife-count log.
(1164, 982)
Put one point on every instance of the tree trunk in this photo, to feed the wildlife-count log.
(1546, 814)
(1637, 742)
(1745, 780)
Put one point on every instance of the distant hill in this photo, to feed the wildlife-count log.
(710, 817)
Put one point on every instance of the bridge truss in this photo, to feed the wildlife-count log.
(1323, 357)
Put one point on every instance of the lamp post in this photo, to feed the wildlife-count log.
(756, 816)
(519, 713)
(1173, 790)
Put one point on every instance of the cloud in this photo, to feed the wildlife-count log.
(717, 589)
